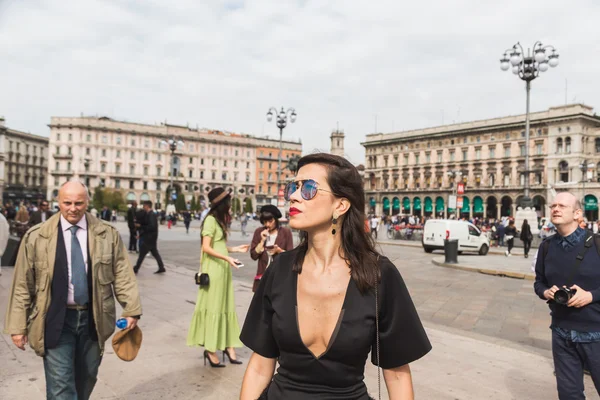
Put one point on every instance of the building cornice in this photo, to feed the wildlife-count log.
(483, 126)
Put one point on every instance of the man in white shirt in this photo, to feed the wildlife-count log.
(61, 300)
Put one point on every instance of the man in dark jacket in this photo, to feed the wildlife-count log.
(41, 215)
(105, 214)
(148, 238)
(569, 260)
(131, 225)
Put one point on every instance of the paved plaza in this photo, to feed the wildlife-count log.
(489, 333)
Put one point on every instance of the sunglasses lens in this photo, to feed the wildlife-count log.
(290, 188)
(309, 189)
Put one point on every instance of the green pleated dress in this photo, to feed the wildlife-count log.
(214, 323)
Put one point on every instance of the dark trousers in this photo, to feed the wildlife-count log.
(510, 243)
(132, 239)
(569, 359)
(146, 248)
(71, 367)
(526, 246)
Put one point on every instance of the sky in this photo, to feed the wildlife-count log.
(377, 66)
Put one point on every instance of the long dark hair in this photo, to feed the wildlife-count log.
(221, 214)
(525, 225)
(358, 247)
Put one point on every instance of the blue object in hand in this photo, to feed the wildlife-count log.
(121, 323)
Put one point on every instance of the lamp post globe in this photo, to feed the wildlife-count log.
(282, 117)
(527, 67)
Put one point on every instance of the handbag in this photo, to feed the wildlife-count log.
(202, 279)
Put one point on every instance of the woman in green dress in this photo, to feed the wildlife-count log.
(214, 323)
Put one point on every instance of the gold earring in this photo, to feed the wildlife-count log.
(334, 222)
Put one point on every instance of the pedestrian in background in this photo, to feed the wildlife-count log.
(41, 215)
(569, 260)
(214, 323)
(268, 241)
(321, 308)
(62, 306)
(131, 225)
(105, 214)
(21, 221)
(374, 225)
(149, 239)
(501, 232)
(187, 220)
(510, 234)
(526, 237)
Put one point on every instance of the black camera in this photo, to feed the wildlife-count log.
(563, 295)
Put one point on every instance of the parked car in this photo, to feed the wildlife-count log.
(470, 238)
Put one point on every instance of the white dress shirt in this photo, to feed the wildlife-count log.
(82, 238)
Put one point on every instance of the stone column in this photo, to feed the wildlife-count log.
(498, 209)
(514, 210)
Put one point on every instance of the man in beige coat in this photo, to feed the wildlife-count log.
(62, 301)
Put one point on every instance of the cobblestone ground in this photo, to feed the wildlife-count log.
(499, 307)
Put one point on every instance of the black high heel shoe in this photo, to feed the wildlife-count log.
(212, 364)
(231, 360)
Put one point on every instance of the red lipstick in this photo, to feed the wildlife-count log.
(294, 211)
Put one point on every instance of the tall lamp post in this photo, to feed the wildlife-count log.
(282, 117)
(527, 68)
(173, 144)
(584, 167)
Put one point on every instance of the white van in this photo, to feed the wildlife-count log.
(470, 238)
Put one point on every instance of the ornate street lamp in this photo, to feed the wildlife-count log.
(173, 144)
(282, 117)
(527, 68)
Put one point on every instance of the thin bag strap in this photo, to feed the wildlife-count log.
(377, 338)
(587, 245)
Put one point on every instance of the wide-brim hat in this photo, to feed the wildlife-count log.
(271, 209)
(127, 343)
(217, 195)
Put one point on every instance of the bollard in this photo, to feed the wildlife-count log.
(451, 251)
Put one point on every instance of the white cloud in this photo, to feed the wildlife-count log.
(223, 64)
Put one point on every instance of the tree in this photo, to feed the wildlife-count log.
(236, 206)
(248, 205)
(98, 198)
(180, 203)
(193, 203)
(111, 198)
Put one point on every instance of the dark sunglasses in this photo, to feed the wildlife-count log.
(308, 189)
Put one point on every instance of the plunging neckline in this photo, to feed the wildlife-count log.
(336, 329)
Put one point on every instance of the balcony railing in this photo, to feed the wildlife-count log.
(63, 156)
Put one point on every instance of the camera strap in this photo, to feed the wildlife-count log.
(587, 245)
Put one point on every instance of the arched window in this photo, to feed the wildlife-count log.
(568, 145)
(559, 145)
(563, 171)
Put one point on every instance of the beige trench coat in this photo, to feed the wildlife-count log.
(29, 296)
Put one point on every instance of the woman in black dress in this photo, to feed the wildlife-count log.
(315, 309)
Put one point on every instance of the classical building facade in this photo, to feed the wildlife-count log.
(23, 165)
(416, 172)
(267, 161)
(134, 158)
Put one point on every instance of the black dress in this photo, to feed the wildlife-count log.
(271, 330)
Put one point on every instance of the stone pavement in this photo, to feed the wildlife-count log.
(511, 267)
